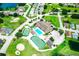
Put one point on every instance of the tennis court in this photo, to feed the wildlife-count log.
(38, 42)
(25, 31)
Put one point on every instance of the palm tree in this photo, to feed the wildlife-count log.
(0, 4)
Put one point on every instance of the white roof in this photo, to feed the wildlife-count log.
(57, 38)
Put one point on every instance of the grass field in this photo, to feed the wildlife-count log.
(67, 51)
(74, 21)
(53, 19)
(7, 22)
(29, 50)
(50, 7)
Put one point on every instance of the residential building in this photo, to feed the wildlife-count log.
(68, 33)
(1, 41)
(36, 9)
(7, 31)
(20, 10)
(75, 35)
(72, 26)
(77, 26)
(66, 24)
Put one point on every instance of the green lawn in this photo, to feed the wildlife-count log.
(29, 50)
(64, 7)
(7, 22)
(74, 21)
(50, 7)
(26, 7)
(53, 19)
(66, 50)
(22, 19)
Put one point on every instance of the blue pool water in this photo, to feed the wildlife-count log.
(8, 5)
(38, 31)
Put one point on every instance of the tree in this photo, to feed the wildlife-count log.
(52, 39)
(75, 10)
(0, 4)
(66, 21)
(55, 29)
(70, 6)
(2, 54)
(15, 14)
(43, 12)
(1, 9)
(43, 16)
(45, 6)
(2, 15)
(21, 4)
(60, 4)
(57, 54)
(61, 31)
(69, 10)
(66, 16)
(1, 21)
(64, 12)
(55, 10)
(18, 34)
(75, 16)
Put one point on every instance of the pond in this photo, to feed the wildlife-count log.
(8, 5)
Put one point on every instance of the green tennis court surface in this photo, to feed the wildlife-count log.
(39, 42)
(25, 31)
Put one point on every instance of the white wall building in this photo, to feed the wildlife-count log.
(58, 39)
(36, 9)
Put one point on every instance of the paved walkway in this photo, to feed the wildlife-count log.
(25, 14)
(5, 46)
(60, 20)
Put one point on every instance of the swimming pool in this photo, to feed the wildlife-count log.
(38, 31)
